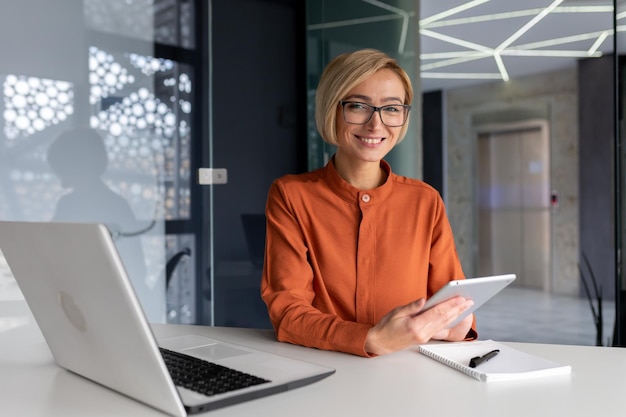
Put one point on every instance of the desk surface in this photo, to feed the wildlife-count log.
(404, 383)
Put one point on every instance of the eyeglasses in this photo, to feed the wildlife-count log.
(357, 113)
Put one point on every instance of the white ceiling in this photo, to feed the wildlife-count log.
(466, 42)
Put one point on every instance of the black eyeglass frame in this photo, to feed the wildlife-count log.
(374, 110)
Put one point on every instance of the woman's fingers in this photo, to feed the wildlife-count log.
(434, 322)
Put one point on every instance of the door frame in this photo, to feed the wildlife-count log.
(495, 128)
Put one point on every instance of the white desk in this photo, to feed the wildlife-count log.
(401, 384)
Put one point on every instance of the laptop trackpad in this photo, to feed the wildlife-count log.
(201, 347)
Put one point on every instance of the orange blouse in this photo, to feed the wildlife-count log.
(337, 259)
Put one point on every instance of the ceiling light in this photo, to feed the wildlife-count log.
(461, 75)
(515, 14)
(598, 42)
(561, 41)
(528, 25)
(475, 56)
(501, 67)
(351, 22)
(456, 41)
(474, 51)
(450, 12)
(551, 53)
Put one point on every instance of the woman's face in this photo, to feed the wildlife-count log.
(370, 142)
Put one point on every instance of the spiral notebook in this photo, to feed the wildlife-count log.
(508, 365)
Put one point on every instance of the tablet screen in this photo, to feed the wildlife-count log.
(480, 290)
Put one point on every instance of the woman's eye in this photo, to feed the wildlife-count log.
(391, 109)
(357, 106)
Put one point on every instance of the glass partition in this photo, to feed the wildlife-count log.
(620, 163)
(528, 136)
(96, 113)
(506, 84)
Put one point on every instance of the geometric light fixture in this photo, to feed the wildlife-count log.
(489, 39)
(466, 51)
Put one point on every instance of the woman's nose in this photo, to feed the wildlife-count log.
(376, 119)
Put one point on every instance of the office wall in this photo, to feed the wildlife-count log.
(554, 95)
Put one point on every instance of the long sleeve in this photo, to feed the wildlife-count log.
(300, 308)
(338, 259)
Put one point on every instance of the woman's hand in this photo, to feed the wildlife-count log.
(405, 326)
(456, 333)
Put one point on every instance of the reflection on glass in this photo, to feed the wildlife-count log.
(334, 27)
(79, 159)
(137, 104)
(168, 22)
(32, 104)
(148, 126)
(180, 284)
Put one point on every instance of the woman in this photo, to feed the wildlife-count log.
(352, 249)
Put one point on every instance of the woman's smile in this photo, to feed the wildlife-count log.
(370, 140)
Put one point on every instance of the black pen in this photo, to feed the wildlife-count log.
(474, 362)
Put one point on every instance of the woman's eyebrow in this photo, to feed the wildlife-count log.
(369, 99)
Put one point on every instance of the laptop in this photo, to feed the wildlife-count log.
(81, 297)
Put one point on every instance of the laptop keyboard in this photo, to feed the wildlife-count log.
(205, 377)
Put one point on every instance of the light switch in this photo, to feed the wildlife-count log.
(212, 176)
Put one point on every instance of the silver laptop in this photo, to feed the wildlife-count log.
(81, 297)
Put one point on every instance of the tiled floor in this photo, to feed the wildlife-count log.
(526, 315)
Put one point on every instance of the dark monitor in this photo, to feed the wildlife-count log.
(254, 229)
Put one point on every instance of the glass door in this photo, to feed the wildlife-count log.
(619, 332)
(257, 135)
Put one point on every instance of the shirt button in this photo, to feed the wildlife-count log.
(365, 198)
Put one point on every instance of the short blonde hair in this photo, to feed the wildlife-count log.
(341, 75)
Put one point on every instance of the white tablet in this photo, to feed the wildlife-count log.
(480, 290)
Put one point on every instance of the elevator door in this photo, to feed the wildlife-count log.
(514, 205)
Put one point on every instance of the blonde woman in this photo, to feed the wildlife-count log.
(353, 250)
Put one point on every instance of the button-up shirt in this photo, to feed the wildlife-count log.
(337, 259)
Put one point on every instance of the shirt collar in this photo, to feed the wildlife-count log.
(353, 195)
